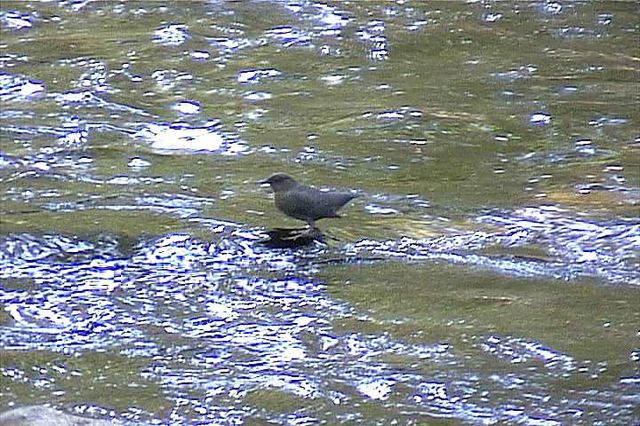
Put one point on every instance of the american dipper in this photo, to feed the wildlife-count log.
(303, 202)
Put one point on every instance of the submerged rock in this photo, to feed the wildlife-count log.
(41, 415)
(292, 238)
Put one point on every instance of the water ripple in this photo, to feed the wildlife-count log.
(230, 46)
(289, 36)
(17, 89)
(187, 107)
(577, 247)
(254, 76)
(16, 21)
(88, 99)
(230, 319)
(588, 247)
(517, 350)
(95, 74)
(372, 35)
(171, 35)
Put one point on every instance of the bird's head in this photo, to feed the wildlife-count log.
(279, 182)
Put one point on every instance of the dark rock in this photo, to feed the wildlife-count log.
(292, 238)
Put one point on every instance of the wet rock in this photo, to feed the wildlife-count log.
(292, 238)
(40, 415)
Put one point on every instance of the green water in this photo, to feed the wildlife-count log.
(441, 115)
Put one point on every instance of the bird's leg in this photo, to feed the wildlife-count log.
(310, 232)
(301, 233)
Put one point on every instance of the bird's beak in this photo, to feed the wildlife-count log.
(263, 183)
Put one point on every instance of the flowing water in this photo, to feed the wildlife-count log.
(487, 274)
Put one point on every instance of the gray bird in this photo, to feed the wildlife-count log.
(304, 202)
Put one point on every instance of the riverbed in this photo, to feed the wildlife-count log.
(486, 274)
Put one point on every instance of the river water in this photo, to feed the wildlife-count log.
(487, 274)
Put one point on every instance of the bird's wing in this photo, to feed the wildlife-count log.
(296, 204)
(339, 199)
(311, 203)
(325, 203)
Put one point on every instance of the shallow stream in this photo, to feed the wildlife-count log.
(487, 274)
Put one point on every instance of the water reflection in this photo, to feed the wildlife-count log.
(184, 138)
(171, 35)
(16, 88)
(16, 20)
(254, 76)
(129, 239)
(232, 317)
